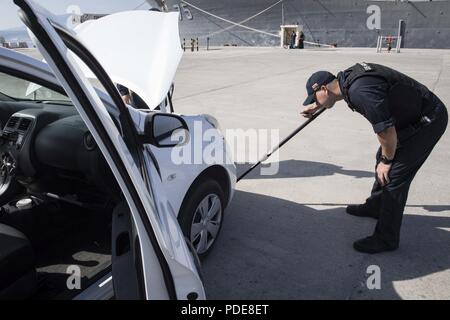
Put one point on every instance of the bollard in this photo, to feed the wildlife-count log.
(184, 44)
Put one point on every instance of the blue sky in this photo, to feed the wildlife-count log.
(8, 10)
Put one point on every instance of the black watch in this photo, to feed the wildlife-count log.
(385, 160)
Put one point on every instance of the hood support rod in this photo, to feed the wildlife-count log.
(282, 143)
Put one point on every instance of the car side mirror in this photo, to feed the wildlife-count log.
(165, 130)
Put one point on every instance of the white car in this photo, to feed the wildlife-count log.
(143, 56)
(91, 199)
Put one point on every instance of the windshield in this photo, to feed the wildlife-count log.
(16, 89)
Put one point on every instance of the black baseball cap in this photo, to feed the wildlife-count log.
(315, 82)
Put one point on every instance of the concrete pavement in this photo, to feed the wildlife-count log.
(287, 236)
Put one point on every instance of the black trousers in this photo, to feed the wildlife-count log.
(413, 149)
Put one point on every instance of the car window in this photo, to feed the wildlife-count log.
(16, 89)
(94, 81)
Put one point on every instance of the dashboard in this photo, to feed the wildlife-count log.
(45, 144)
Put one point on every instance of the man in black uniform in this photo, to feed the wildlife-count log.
(408, 119)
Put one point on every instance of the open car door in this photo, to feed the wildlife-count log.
(151, 259)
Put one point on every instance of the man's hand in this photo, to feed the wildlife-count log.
(309, 110)
(383, 173)
(388, 141)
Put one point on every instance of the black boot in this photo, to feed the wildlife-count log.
(373, 244)
(361, 210)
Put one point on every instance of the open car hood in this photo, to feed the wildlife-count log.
(140, 50)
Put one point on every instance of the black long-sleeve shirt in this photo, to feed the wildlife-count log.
(369, 97)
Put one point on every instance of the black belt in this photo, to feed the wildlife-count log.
(428, 117)
(424, 121)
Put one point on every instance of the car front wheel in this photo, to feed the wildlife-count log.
(202, 215)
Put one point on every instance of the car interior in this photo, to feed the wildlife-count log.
(57, 195)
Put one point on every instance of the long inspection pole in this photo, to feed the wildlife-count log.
(282, 143)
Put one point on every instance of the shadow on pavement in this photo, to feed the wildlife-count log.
(302, 169)
(272, 248)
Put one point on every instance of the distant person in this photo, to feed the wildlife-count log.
(293, 38)
(301, 40)
(408, 120)
(389, 44)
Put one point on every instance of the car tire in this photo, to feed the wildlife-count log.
(201, 216)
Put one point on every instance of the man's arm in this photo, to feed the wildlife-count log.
(388, 141)
(309, 110)
(371, 95)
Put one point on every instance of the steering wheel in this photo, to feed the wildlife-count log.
(8, 186)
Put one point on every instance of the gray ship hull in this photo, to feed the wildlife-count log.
(348, 23)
